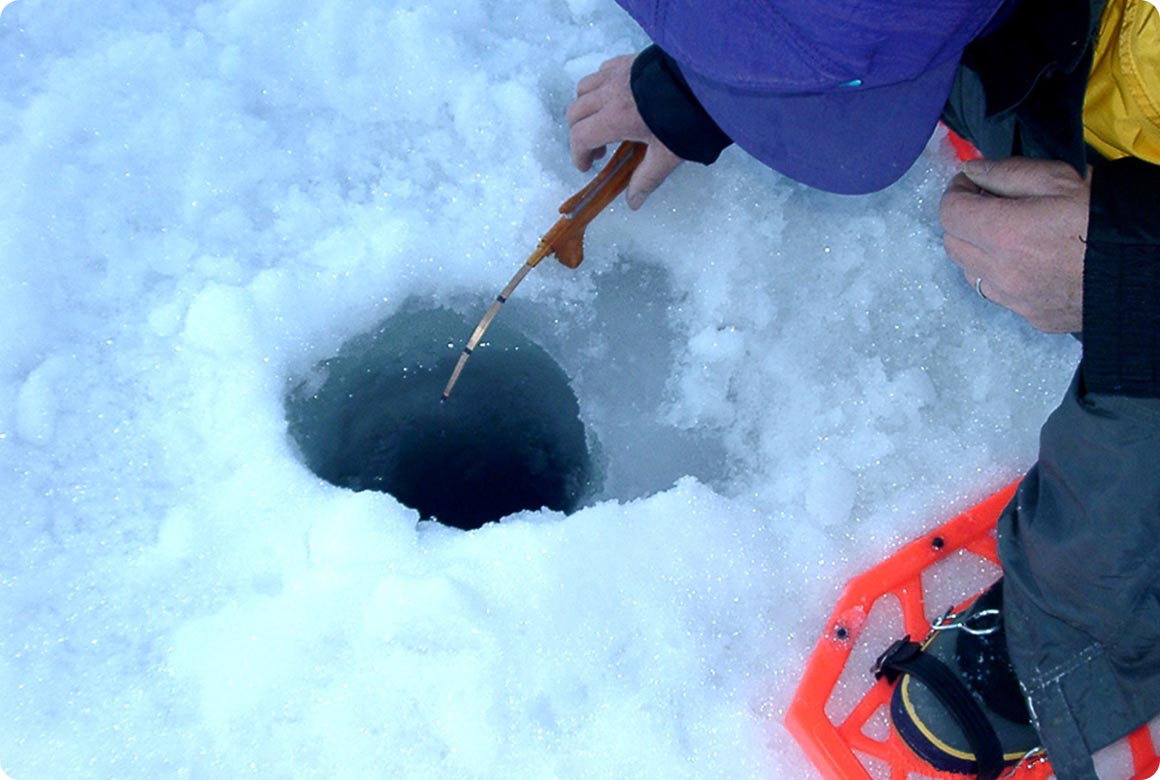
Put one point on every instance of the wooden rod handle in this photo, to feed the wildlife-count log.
(566, 237)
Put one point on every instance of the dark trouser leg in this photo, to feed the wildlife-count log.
(1080, 546)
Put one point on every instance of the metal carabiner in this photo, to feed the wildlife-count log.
(949, 621)
(1036, 755)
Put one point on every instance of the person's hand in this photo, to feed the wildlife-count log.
(1017, 228)
(604, 112)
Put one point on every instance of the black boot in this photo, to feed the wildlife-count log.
(958, 705)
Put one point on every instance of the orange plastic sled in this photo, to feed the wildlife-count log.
(850, 738)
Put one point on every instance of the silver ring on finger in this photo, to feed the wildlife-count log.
(979, 288)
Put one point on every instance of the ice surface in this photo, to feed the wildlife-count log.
(202, 200)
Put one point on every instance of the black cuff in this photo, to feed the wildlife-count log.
(671, 110)
(1121, 285)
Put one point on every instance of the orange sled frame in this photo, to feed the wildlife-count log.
(842, 747)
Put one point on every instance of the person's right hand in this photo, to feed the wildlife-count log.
(1018, 228)
(605, 112)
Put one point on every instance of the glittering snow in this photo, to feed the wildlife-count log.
(200, 202)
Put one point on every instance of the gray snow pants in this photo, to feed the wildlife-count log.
(1080, 548)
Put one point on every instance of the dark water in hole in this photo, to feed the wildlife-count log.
(509, 438)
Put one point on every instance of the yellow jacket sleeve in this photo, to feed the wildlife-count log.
(1122, 103)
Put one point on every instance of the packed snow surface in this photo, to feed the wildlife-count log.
(202, 201)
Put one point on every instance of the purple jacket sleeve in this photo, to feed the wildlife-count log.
(671, 111)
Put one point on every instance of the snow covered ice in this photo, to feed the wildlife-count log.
(200, 201)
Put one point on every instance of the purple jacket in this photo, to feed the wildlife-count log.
(841, 95)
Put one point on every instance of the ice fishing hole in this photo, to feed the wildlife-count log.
(510, 438)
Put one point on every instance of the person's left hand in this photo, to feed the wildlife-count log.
(1020, 225)
(605, 112)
